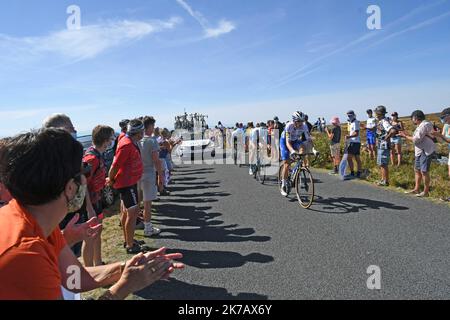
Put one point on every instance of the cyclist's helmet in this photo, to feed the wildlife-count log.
(298, 116)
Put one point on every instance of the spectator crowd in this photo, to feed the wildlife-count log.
(52, 209)
(51, 191)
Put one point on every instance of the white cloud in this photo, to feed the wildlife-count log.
(87, 42)
(194, 14)
(224, 27)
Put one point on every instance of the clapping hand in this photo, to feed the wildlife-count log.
(145, 269)
(74, 233)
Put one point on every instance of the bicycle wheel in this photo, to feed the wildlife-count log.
(304, 187)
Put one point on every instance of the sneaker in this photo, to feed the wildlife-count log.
(422, 195)
(412, 192)
(138, 242)
(315, 152)
(135, 249)
(383, 183)
(332, 173)
(164, 193)
(358, 175)
(285, 190)
(152, 232)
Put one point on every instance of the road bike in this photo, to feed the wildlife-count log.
(299, 178)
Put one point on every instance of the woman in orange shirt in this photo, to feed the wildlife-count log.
(42, 171)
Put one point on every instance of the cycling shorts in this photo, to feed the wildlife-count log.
(285, 153)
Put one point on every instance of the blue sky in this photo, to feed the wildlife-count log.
(234, 60)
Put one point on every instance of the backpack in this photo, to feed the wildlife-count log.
(97, 178)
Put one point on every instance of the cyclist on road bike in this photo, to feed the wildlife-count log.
(294, 139)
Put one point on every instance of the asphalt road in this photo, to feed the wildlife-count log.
(242, 240)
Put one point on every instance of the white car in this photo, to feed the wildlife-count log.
(190, 148)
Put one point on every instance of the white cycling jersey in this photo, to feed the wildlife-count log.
(292, 133)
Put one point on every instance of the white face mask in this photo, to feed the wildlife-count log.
(77, 202)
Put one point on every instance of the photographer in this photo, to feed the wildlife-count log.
(384, 132)
(396, 140)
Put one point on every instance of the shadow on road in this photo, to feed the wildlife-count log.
(198, 186)
(203, 183)
(197, 195)
(206, 230)
(193, 170)
(174, 289)
(184, 179)
(343, 205)
(189, 200)
(219, 259)
(271, 180)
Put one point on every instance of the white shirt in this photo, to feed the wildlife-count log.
(353, 127)
(371, 123)
(422, 139)
(239, 134)
(263, 132)
(254, 135)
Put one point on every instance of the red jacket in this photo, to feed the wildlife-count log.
(128, 161)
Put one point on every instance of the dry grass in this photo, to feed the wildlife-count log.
(112, 245)
(401, 178)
